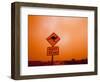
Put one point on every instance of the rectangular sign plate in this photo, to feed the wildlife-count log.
(52, 51)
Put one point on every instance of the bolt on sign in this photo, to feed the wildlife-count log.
(52, 51)
(53, 39)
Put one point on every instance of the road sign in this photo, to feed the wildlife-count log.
(53, 39)
(52, 51)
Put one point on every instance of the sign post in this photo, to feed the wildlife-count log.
(53, 50)
(52, 60)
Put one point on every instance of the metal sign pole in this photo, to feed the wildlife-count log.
(52, 60)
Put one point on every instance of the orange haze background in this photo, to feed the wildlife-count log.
(71, 30)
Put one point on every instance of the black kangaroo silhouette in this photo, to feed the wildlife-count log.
(54, 38)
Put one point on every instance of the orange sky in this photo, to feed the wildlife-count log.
(71, 30)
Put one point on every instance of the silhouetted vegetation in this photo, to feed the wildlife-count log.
(67, 62)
